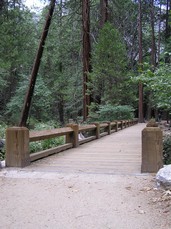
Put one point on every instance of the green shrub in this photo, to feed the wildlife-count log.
(167, 149)
(3, 127)
(111, 112)
(47, 143)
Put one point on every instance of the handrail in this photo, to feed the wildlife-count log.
(18, 139)
(45, 134)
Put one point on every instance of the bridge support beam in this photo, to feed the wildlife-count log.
(17, 147)
(152, 147)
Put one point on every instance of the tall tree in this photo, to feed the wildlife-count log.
(27, 103)
(140, 110)
(86, 54)
(153, 55)
(168, 27)
(103, 12)
(159, 32)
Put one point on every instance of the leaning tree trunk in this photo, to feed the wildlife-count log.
(29, 95)
(86, 54)
(140, 104)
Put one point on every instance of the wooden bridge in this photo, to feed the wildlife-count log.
(118, 152)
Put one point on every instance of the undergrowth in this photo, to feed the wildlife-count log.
(167, 149)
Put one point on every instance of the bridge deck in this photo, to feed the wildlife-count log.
(118, 153)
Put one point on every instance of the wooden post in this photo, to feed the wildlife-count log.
(109, 128)
(73, 137)
(17, 147)
(97, 124)
(121, 125)
(152, 147)
(116, 126)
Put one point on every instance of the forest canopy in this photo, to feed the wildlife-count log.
(129, 45)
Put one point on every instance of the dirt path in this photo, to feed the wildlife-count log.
(37, 200)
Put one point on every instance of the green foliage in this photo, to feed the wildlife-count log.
(3, 127)
(109, 62)
(17, 45)
(110, 112)
(158, 82)
(40, 105)
(47, 143)
(167, 149)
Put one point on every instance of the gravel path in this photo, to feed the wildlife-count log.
(37, 200)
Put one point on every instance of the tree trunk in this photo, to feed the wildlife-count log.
(27, 103)
(153, 56)
(140, 104)
(159, 37)
(153, 45)
(86, 54)
(103, 12)
(168, 28)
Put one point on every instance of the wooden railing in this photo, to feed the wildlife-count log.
(18, 139)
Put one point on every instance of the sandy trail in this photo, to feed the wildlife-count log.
(37, 200)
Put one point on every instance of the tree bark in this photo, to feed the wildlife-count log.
(86, 54)
(159, 36)
(140, 104)
(168, 28)
(103, 12)
(29, 95)
(153, 56)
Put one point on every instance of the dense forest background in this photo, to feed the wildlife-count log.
(129, 56)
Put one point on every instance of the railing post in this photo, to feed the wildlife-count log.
(97, 124)
(17, 147)
(109, 128)
(73, 137)
(151, 150)
(121, 125)
(116, 126)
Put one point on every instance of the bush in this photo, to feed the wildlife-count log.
(110, 113)
(167, 149)
(2, 136)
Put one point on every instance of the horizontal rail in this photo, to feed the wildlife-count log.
(104, 125)
(86, 128)
(48, 152)
(85, 140)
(103, 134)
(45, 134)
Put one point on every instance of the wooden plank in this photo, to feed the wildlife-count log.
(45, 153)
(87, 127)
(87, 140)
(45, 134)
(103, 125)
(103, 134)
